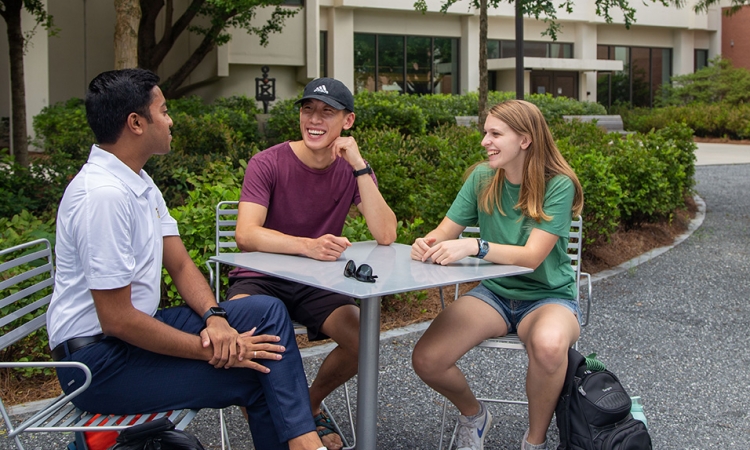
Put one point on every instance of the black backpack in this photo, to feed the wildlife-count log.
(159, 434)
(593, 412)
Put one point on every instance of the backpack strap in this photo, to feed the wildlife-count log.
(576, 361)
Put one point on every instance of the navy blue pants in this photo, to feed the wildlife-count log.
(130, 380)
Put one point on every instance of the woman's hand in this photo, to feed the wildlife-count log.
(450, 251)
(420, 246)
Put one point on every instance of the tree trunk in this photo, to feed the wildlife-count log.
(483, 81)
(19, 143)
(128, 14)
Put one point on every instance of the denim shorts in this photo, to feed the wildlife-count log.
(513, 311)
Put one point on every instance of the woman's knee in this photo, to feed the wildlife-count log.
(548, 350)
(426, 362)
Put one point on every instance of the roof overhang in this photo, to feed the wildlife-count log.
(569, 64)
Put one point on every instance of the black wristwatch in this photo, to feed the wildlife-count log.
(367, 169)
(484, 248)
(214, 311)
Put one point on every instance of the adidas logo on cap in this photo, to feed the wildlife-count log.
(321, 89)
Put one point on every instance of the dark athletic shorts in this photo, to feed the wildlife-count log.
(307, 305)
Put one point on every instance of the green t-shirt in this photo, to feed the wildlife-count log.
(554, 278)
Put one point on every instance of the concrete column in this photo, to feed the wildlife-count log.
(584, 47)
(312, 39)
(469, 54)
(683, 53)
(341, 55)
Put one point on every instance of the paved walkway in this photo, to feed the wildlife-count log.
(673, 327)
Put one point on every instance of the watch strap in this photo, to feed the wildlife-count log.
(367, 169)
(214, 311)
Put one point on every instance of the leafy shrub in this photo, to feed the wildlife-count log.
(718, 82)
(219, 180)
(62, 129)
(715, 120)
(419, 176)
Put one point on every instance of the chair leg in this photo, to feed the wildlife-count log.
(442, 423)
(323, 406)
(225, 445)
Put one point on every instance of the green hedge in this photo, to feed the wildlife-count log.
(419, 114)
(707, 120)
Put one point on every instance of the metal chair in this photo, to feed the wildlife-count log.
(26, 279)
(511, 341)
(226, 224)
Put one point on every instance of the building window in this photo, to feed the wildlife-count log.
(700, 60)
(293, 2)
(645, 70)
(323, 54)
(405, 64)
(507, 49)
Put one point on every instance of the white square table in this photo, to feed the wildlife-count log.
(397, 273)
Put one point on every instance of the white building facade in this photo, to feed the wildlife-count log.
(387, 45)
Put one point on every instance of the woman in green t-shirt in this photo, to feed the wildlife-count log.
(523, 199)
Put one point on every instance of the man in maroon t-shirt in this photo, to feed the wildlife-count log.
(295, 199)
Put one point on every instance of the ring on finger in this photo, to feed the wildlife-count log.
(255, 355)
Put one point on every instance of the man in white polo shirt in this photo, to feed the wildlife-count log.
(114, 232)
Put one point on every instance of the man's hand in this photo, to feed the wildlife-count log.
(347, 148)
(224, 340)
(253, 348)
(450, 251)
(327, 247)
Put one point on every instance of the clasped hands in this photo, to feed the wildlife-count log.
(443, 253)
(232, 349)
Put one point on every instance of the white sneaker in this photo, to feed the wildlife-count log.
(526, 446)
(471, 432)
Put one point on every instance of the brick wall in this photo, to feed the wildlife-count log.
(735, 37)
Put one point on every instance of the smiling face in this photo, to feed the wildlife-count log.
(506, 149)
(321, 123)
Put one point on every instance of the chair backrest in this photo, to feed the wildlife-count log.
(27, 275)
(226, 224)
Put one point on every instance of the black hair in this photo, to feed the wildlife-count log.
(113, 95)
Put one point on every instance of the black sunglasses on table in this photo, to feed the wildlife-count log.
(362, 273)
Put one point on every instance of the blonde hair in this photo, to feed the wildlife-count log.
(543, 162)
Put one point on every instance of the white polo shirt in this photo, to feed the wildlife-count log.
(110, 228)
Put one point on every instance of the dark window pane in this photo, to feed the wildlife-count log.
(701, 59)
(535, 49)
(508, 49)
(445, 62)
(293, 2)
(557, 50)
(641, 76)
(620, 81)
(390, 63)
(418, 65)
(493, 49)
(364, 62)
(323, 53)
(603, 89)
(602, 52)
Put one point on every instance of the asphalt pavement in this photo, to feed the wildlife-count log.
(671, 324)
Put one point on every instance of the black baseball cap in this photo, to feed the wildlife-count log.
(330, 91)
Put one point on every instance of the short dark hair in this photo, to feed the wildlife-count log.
(113, 95)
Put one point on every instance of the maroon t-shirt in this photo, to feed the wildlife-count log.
(301, 201)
